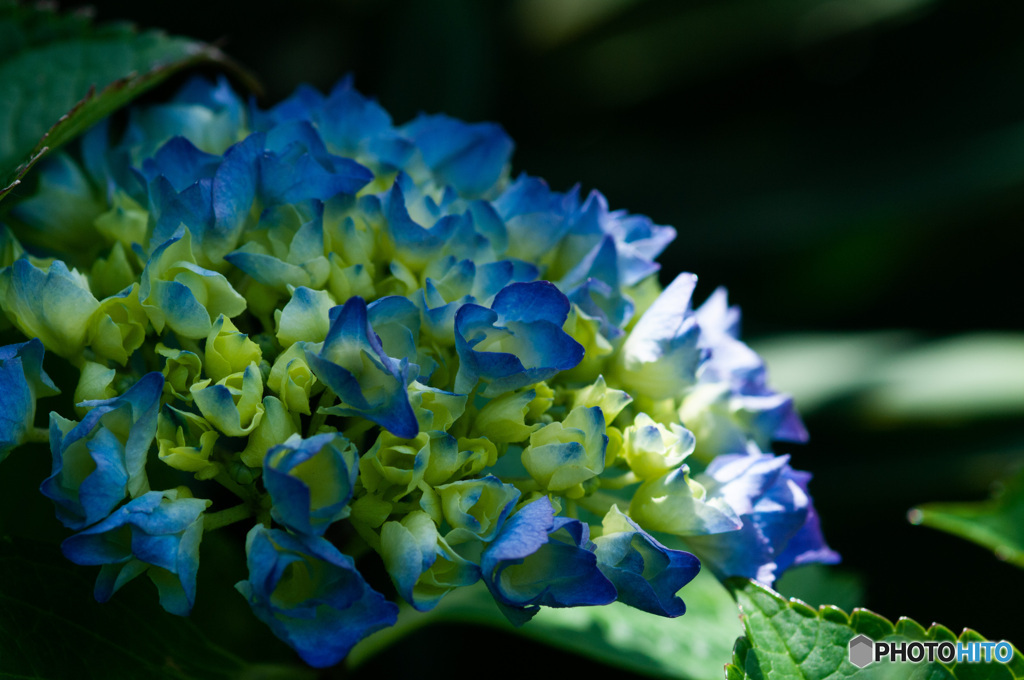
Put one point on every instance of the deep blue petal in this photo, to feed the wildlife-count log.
(22, 381)
(525, 318)
(538, 559)
(368, 382)
(155, 529)
(469, 156)
(646, 574)
(181, 163)
(101, 460)
(321, 617)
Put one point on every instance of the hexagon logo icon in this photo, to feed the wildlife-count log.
(862, 651)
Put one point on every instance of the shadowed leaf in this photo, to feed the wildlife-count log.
(60, 74)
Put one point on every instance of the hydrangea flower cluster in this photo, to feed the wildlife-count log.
(376, 338)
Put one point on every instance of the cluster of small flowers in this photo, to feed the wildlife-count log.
(373, 336)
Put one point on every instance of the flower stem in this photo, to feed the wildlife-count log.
(189, 345)
(326, 401)
(234, 487)
(524, 484)
(619, 482)
(263, 514)
(37, 435)
(598, 503)
(222, 518)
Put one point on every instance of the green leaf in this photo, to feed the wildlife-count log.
(996, 524)
(60, 74)
(50, 626)
(694, 646)
(787, 639)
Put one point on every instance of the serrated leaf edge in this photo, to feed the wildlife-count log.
(734, 669)
(198, 53)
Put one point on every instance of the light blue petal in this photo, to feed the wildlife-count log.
(661, 355)
(772, 501)
(536, 218)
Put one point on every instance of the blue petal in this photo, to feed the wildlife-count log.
(536, 218)
(300, 105)
(638, 241)
(310, 595)
(487, 229)
(469, 156)
(156, 529)
(353, 123)
(234, 190)
(296, 167)
(349, 117)
(181, 163)
(22, 381)
(772, 501)
(415, 244)
(492, 277)
(526, 318)
(169, 208)
(17, 404)
(101, 460)
(661, 355)
(598, 300)
(368, 382)
(310, 481)
(767, 414)
(808, 544)
(539, 559)
(646, 574)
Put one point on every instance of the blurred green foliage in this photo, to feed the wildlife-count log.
(60, 74)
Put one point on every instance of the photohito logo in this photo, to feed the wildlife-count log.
(864, 650)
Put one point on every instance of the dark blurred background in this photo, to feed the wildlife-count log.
(852, 170)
